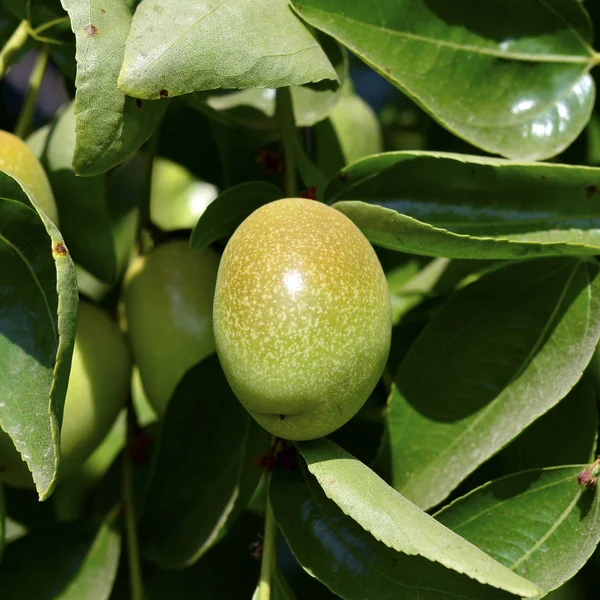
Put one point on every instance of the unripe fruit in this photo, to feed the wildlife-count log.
(18, 160)
(168, 302)
(98, 388)
(302, 318)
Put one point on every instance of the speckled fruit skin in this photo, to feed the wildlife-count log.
(17, 159)
(168, 302)
(98, 388)
(302, 318)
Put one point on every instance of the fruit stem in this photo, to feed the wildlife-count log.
(136, 582)
(13, 45)
(285, 114)
(35, 83)
(269, 555)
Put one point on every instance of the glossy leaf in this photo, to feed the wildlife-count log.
(495, 343)
(507, 76)
(38, 300)
(69, 562)
(222, 217)
(538, 523)
(99, 214)
(350, 561)
(204, 473)
(180, 48)
(110, 125)
(255, 107)
(473, 207)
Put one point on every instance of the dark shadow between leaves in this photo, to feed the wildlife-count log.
(499, 20)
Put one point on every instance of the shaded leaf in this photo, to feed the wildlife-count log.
(255, 107)
(222, 217)
(2, 521)
(350, 561)
(226, 571)
(99, 214)
(204, 473)
(280, 588)
(507, 76)
(351, 132)
(70, 562)
(504, 350)
(38, 296)
(110, 126)
(473, 207)
(180, 48)
(538, 523)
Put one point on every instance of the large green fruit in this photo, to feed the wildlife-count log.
(302, 318)
(98, 389)
(168, 302)
(18, 160)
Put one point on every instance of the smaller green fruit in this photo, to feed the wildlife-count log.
(98, 388)
(18, 160)
(178, 198)
(168, 303)
(302, 318)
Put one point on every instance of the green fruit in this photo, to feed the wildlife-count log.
(302, 318)
(178, 198)
(98, 388)
(18, 160)
(168, 304)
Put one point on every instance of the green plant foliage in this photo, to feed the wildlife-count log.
(460, 465)
(70, 562)
(186, 515)
(110, 125)
(100, 232)
(36, 339)
(180, 44)
(540, 52)
(469, 344)
(539, 523)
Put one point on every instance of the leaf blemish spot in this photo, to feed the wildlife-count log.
(164, 93)
(91, 30)
(388, 70)
(590, 190)
(103, 11)
(139, 103)
(59, 249)
(281, 417)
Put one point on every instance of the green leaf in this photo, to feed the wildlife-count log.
(351, 132)
(255, 107)
(507, 76)
(101, 231)
(473, 208)
(222, 217)
(110, 125)
(226, 571)
(495, 343)
(329, 540)
(280, 588)
(63, 562)
(538, 523)
(181, 48)
(2, 521)
(204, 474)
(178, 198)
(38, 296)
